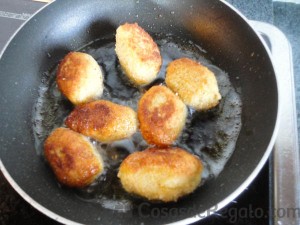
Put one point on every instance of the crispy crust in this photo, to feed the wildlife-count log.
(72, 157)
(103, 120)
(164, 174)
(195, 84)
(138, 54)
(80, 78)
(161, 115)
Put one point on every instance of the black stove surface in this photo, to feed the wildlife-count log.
(251, 207)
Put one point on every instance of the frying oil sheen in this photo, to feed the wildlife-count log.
(210, 135)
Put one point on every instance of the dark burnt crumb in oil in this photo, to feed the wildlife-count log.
(211, 135)
(214, 151)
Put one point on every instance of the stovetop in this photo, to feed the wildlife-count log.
(269, 196)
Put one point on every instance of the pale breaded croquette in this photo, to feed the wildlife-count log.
(138, 54)
(195, 84)
(72, 157)
(79, 78)
(161, 115)
(164, 174)
(103, 120)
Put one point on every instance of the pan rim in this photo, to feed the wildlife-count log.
(191, 219)
(31, 201)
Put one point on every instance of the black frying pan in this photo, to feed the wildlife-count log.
(66, 25)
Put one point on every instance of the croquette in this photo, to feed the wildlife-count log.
(72, 157)
(195, 84)
(164, 174)
(138, 54)
(103, 120)
(161, 115)
(80, 78)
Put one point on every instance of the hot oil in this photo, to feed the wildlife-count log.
(210, 135)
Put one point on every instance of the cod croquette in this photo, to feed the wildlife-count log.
(161, 115)
(195, 84)
(103, 120)
(79, 78)
(138, 54)
(72, 157)
(164, 174)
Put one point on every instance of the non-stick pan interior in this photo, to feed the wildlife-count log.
(66, 25)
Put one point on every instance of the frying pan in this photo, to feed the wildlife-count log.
(66, 25)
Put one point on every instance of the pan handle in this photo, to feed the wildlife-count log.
(286, 180)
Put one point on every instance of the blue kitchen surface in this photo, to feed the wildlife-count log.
(284, 15)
